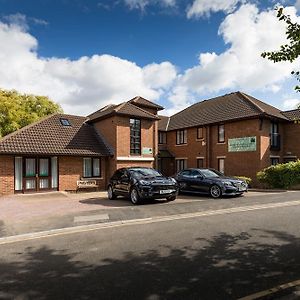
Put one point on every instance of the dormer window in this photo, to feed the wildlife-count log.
(65, 122)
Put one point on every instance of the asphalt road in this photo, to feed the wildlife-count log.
(225, 256)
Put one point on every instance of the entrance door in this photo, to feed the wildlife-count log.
(44, 179)
(37, 174)
(30, 174)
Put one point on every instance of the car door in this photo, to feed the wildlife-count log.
(183, 180)
(196, 182)
(124, 182)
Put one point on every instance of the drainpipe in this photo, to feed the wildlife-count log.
(208, 146)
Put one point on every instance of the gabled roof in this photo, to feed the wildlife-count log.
(163, 123)
(50, 137)
(124, 108)
(142, 102)
(292, 115)
(233, 106)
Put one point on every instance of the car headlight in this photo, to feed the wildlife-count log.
(227, 183)
(173, 179)
(144, 182)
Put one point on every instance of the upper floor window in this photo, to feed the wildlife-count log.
(91, 167)
(274, 136)
(162, 137)
(181, 137)
(221, 133)
(200, 133)
(65, 122)
(135, 136)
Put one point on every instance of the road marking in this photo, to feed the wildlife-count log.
(93, 227)
(91, 218)
(271, 291)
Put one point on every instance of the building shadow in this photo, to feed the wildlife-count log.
(223, 267)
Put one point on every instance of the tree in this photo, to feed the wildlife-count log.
(18, 110)
(291, 51)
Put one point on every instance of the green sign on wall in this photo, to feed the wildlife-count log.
(146, 150)
(242, 144)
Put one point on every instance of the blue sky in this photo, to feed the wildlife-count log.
(85, 54)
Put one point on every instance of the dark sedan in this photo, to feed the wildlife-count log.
(140, 183)
(209, 181)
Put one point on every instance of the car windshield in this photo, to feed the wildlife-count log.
(210, 173)
(144, 172)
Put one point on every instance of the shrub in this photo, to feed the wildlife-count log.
(248, 180)
(281, 175)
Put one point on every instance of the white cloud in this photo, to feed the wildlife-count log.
(247, 32)
(81, 85)
(291, 104)
(142, 4)
(200, 8)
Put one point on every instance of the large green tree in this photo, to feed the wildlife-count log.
(291, 50)
(18, 110)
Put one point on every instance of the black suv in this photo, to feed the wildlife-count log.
(140, 183)
(209, 181)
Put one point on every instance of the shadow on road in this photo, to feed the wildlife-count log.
(225, 267)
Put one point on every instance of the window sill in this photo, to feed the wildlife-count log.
(180, 145)
(200, 140)
(91, 178)
(221, 143)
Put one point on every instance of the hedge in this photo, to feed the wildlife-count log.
(281, 175)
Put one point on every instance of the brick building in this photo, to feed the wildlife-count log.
(235, 133)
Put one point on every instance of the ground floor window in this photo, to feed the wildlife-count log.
(221, 165)
(289, 159)
(181, 164)
(200, 162)
(91, 167)
(274, 161)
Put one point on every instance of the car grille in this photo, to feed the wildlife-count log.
(157, 188)
(239, 184)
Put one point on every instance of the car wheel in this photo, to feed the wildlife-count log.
(182, 186)
(171, 198)
(134, 197)
(215, 191)
(110, 193)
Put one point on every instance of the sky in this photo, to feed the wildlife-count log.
(85, 54)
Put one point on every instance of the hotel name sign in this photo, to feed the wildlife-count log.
(243, 144)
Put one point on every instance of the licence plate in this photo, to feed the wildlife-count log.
(166, 191)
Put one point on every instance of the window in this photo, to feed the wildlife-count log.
(91, 167)
(181, 137)
(274, 161)
(200, 133)
(162, 137)
(221, 165)
(200, 162)
(221, 133)
(180, 164)
(135, 136)
(65, 122)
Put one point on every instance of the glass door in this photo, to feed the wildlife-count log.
(30, 174)
(44, 174)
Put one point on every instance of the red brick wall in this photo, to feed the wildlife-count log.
(236, 163)
(291, 145)
(6, 175)
(71, 170)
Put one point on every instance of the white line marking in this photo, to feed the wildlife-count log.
(91, 218)
(93, 227)
(272, 290)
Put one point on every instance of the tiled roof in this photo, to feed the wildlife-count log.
(232, 106)
(50, 137)
(124, 108)
(140, 101)
(292, 114)
(163, 123)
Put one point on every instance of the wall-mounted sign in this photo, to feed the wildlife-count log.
(242, 144)
(146, 150)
